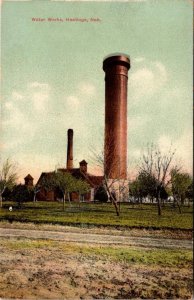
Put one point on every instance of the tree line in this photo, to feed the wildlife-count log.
(158, 177)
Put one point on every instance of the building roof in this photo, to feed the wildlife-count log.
(43, 175)
(96, 180)
(92, 180)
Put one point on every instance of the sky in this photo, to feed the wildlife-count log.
(52, 78)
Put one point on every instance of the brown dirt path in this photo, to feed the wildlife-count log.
(84, 236)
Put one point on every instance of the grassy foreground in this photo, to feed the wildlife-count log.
(97, 214)
(130, 255)
(45, 269)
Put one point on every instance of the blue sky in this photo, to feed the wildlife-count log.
(52, 78)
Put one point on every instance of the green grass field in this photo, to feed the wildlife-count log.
(96, 214)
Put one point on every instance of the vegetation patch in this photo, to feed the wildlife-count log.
(129, 255)
(146, 256)
(135, 255)
(21, 244)
(97, 214)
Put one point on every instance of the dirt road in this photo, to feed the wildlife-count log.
(84, 237)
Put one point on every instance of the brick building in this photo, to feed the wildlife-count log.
(95, 182)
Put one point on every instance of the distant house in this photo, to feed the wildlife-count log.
(95, 182)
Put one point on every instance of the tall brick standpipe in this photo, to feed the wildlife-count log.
(115, 147)
(70, 149)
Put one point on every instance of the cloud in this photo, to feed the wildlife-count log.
(73, 101)
(134, 123)
(9, 105)
(21, 115)
(136, 153)
(40, 93)
(79, 100)
(23, 119)
(138, 59)
(142, 82)
(87, 88)
(40, 85)
(40, 101)
(15, 117)
(26, 131)
(17, 124)
(83, 91)
(12, 144)
(148, 79)
(17, 96)
(161, 73)
(164, 143)
(183, 147)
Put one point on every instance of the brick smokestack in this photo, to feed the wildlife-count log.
(115, 147)
(70, 149)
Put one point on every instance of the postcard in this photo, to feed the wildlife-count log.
(89, 87)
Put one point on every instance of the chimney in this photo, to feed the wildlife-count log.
(83, 166)
(69, 149)
(115, 148)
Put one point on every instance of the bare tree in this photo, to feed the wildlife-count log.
(8, 177)
(157, 165)
(115, 188)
